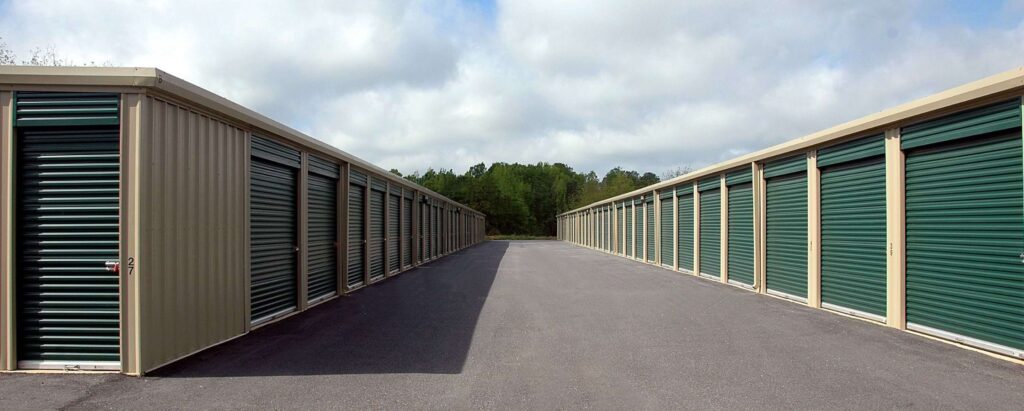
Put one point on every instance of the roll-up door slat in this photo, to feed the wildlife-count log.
(965, 233)
(323, 236)
(786, 245)
(377, 232)
(356, 235)
(741, 233)
(667, 244)
(853, 238)
(68, 305)
(685, 228)
(48, 109)
(273, 287)
(711, 232)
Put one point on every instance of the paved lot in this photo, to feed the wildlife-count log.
(545, 325)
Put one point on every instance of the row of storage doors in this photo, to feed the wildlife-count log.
(380, 230)
(964, 227)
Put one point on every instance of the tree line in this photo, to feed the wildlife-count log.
(523, 199)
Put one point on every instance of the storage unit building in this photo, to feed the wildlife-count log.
(912, 217)
(145, 219)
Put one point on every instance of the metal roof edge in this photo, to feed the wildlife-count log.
(988, 86)
(154, 78)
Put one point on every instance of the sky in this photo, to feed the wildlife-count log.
(649, 85)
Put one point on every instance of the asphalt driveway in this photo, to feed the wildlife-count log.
(546, 325)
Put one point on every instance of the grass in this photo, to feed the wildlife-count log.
(519, 237)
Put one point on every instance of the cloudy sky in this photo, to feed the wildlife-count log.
(645, 84)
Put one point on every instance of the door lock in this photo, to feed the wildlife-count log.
(115, 266)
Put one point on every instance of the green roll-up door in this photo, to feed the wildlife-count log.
(711, 232)
(741, 233)
(667, 244)
(407, 233)
(274, 239)
(49, 109)
(621, 225)
(853, 238)
(356, 229)
(649, 242)
(786, 221)
(394, 232)
(273, 221)
(378, 193)
(964, 238)
(434, 221)
(684, 223)
(67, 230)
(424, 223)
(629, 229)
(323, 236)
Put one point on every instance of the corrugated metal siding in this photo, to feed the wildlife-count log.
(67, 228)
(853, 238)
(192, 240)
(741, 233)
(323, 236)
(786, 242)
(667, 244)
(49, 109)
(273, 240)
(394, 232)
(649, 242)
(356, 229)
(964, 238)
(711, 232)
(685, 228)
(377, 232)
(407, 233)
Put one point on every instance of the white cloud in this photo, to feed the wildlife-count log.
(647, 84)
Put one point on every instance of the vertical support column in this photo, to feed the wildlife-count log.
(7, 338)
(675, 230)
(129, 231)
(342, 218)
(247, 224)
(760, 226)
(723, 266)
(696, 229)
(895, 221)
(813, 230)
(303, 260)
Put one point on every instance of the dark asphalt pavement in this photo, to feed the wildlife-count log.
(546, 325)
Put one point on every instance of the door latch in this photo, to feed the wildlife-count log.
(115, 266)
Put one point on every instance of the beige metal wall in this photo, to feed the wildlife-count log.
(6, 233)
(193, 260)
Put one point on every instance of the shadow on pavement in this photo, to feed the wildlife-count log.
(421, 321)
